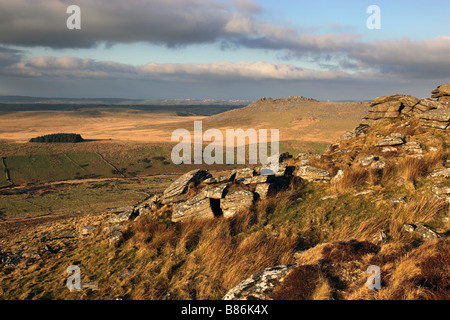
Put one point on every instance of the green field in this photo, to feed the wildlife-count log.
(76, 199)
(37, 168)
(43, 163)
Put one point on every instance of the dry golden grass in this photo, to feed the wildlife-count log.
(119, 125)
(337, 270)
(204, 258)
(353, 178)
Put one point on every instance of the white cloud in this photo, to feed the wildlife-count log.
(176, 23)
(75, 67)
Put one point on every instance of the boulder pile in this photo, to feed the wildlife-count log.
(442, 94)
(200, 195)
(432, 113)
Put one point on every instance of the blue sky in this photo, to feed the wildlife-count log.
(237, 49)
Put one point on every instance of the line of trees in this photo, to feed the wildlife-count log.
(59, 137)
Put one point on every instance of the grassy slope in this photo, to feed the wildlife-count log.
(306, 121)
(203, 260)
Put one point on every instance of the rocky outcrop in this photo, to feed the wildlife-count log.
(368, 160)
(421, 230)
(385, 107)
(176, 191)
(246, 173)
(432, 113)
(442, 94)
(198, 194)
(236, 202)
(441, 189)
(441, 173)
(413, 147)
(259, 285)
(437, 118)
(392, 140)
(122, 216)
(199, 207)
(313, 174)
(204, 205)
(263, 190)
(87, 231)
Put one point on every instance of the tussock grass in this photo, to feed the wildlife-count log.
(203, 259)
(353, 178)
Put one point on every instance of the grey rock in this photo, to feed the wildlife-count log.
(121, 217)
(304, 162)
(87, 231)
(198, 207)
(441, 173)
(363, 193)
(348, 135)
(259, 285)
(434, 124)
(437, 118)
(258, 179)
(210, 181)
(236, 202)
(313, 174)
(368, 160)
(396, 201)
(333, 196)
(283, 170)
(388, 109)
(380, 238)
(175, 191)
(409, 101)
(244, 173)
(229, 176)
(389, 149)
(442, 114)
(413, 147)
(89, 286)
(425, 232)
(263, 189)
(31, 255)
(338, 177)
(111, 229)
(408, 228)
(115, 238)
(443, 90)
(422, 230)
(214, 191)
(384, 99)
(441, 189)
(429, 104)
(153, 202)
(394, 139)
(379, 165)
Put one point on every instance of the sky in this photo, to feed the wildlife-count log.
(234, 49)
